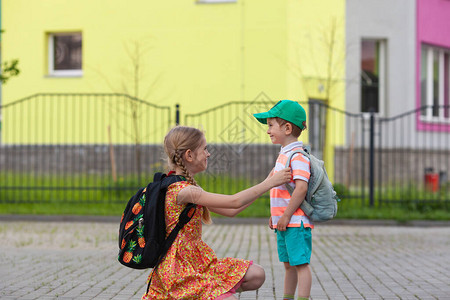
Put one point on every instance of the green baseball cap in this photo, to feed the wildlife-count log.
(287, 110)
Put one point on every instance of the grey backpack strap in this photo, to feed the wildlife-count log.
(288, 163)
(305, 206)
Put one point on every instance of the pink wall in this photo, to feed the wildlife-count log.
(433, 27)
(433, 22)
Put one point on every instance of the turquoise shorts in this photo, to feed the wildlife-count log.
(294, 245)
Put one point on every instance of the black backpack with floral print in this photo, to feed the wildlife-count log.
(142, 231)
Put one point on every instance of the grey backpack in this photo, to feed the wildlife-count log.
(321, 200)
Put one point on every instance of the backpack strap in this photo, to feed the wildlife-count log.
(288, 163)
(159, 176)
(305, 206)
(184, 218)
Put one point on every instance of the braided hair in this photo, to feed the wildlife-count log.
(177, 141)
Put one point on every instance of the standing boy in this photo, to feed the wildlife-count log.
(286, 121)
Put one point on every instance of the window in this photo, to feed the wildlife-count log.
(64, 54)
(372, 75)
(435, 84)
(317, 115)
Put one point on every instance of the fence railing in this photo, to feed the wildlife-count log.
(411, 157)
(100, 147)
(79, 147)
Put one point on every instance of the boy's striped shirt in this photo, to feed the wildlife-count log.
(279, 196)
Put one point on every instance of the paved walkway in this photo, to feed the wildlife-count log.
(77, 260)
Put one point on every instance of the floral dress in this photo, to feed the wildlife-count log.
(191, 269)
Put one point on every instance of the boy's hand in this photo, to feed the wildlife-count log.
(282, 223)
(270, 223)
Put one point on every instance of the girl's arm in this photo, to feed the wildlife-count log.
(232, 212)
(228, 212)
(193, 194)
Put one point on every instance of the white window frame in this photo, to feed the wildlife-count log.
(51, 67)
(428, 117)
(381, 76)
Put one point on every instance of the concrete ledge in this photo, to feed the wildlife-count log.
(262, 221)
(60, 218)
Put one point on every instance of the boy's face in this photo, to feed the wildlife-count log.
(276, 132)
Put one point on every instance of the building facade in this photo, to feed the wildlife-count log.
(354, 55)
(398, 62)
(198, 54)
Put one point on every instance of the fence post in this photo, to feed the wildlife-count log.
(371, 158)
(177, 114)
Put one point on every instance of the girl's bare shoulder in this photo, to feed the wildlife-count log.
(189, 194)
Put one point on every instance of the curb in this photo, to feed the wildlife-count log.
(59, 218)
(262, 221)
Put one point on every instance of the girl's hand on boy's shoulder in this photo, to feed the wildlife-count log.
(280, 177)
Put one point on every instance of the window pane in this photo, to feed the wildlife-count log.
(369, 76)
(67, 52)
(317, 118)
(436, 83)
(423, 80)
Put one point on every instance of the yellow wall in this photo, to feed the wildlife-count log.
(197, 55)
(316, 57)
(199, 52)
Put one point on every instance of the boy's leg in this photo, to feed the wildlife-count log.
(290, 273)
(304, 280)
(290, 280)
(299, 246)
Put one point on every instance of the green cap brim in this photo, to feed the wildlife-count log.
(262, 117)
(287, 110)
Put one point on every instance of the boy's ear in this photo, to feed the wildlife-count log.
(188, 155)
(288, 128)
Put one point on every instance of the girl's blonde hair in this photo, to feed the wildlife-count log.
(177, 141)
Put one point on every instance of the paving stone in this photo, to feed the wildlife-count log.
(77, 260)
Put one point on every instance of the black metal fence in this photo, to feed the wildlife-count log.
(371, 158)
(411, 157)
(98, 147)
(79, 147)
